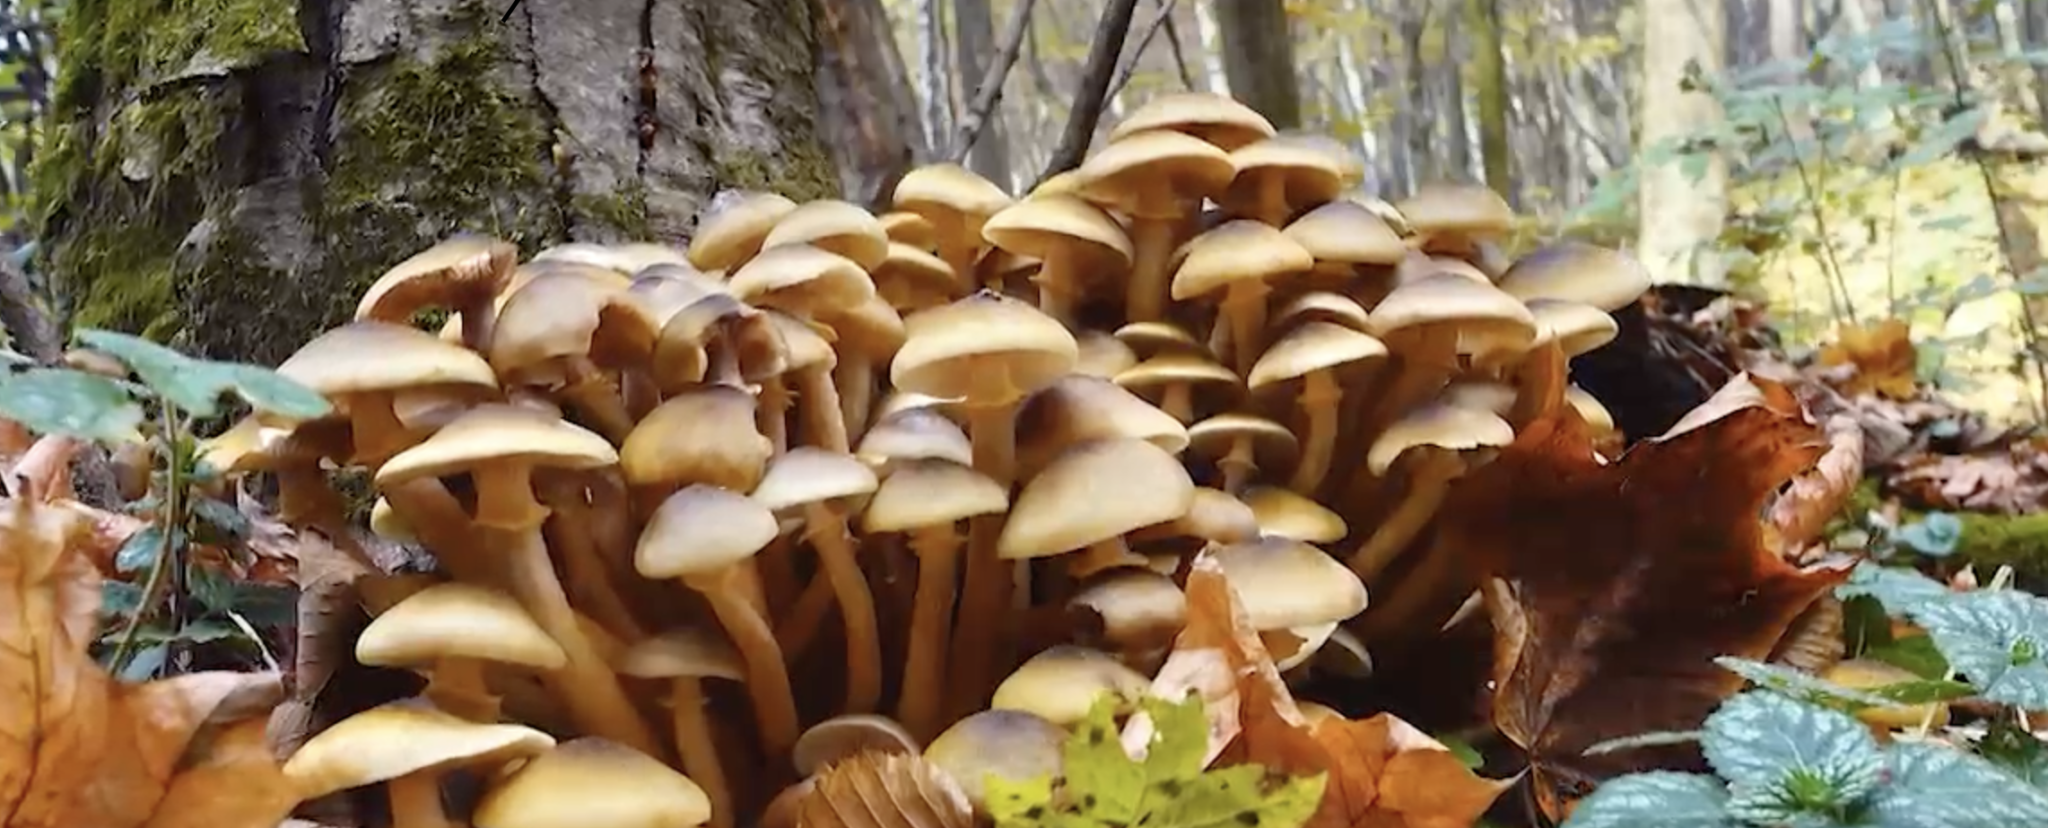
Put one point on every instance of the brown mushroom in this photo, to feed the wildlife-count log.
(1450, 218)
(1075, 240)
(1578, 272)
(957, 202)
(1062, 683)
(1435, 436)
(843, 737)
(1175, 375)
(819, 481)
(1089, 496)
(1314, 353)
(597, 783)
(1216, 119)
(833, 226)
(911, 279)
(361, 389)
(1241, 445)
(733, 232)
(1277, 176)
(1076, 409)
(453, 630)
(564, 332)
(1009, 744)
(463, 274)
(686, 658)
(1153, 177)
(407, 745)
(1286, 514)
(704, 435)
(1236, 260)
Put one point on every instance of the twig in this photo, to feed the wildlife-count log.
(172, 525)
(1837, 286)
(1130, 67)
(990, 92)
(1088, 99)
(1180, 57)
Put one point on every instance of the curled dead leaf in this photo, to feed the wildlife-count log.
(1617, 585)
(1800, 514)
(1882, 355)
(884, 790)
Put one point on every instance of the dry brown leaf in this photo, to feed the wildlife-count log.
(77, 748)
(1800, 514)
(232, 781)
(1883, 356)
(884, 790)
(1619, 583)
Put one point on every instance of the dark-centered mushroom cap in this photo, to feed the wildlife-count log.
(702, 529)
(1282, 513)
(457, 621)
(494, 433)
(593, 783)
(1443, 426)
(1149, 174)
(914, 434)
(1213, 118)
(1141, 609)
(1238, 251)
(1345, 231)
(559, 315)
(1287, 583)
(1214, 515)
(1213, 437)
(1061, 683)
(808, 474)
(845, 736)
(1579, 272)
(461, 269)
(803, 279)
(1157, 337)
(931, 492)
(687, 653)
(987, 348)
(1305, 170)
(706, 434)
(834, 226)
(1314, 346)
(400, 738)
(1042, 227)
(333, 363)
(1093, 492)
(1177, 367)
(734, 232)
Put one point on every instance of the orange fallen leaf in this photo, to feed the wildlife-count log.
(1883, 355)
(76, 747)
(1613, 586)
(1800, 514)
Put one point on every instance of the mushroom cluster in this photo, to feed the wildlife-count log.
(829, 484)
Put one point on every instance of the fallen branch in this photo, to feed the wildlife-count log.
(990, 91)
(1159, 21)
(1095, 75)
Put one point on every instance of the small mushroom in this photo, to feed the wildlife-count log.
(1175, 375)
(869, 335)
(1089, 496)
(1314, 353)
(453, 630)
(1237, 260)
(1351, 246)
(333, 364)
(1213, 516)
(840, 738)
(704, 435)
(905, 227)
(385, 523)
(831, 225)
(463, 274)
(564, 332)
(1287, 514)
(1216, 119)
(1324, 306)
(913, 434)
(1076, 409)
(1241, 445)
(1277, 176)
(1286, 584)
(686, 658)
(1578, 272)
(597, 783)
(925, 498)
(1142, 610)
(716, 339)
(1062, 683)
(1154, 178)
(1008, 744)
(1102, 355)
(1606, 436)
(1074, 240)
(1435, 435)
(1451, 218)
(704, 536)
(733, 232)
(803, 280)
(958, 203)
(407, 745)
(911, 279)
(819, 482)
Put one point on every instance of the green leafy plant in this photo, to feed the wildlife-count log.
(182, 602)
(1168, 788)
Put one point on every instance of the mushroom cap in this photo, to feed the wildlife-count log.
(594, 783)
(1077, 408)
(702, 529)
(495, 433)
(1322, 305)
(1216, 119)
(873, 328)
(909, 274)
(1283, 513)
(949, 193)
(1141, 609)
(1093, 492)
(1156, 337)
(1294, 646)
(1067, 182)
(385, 523)
(1590, 409)
(1484, 395)
(663, 290)
(1443, 426)
(1576, 271)
(987, 348)
(1236, 252)
(402, 737)
(1574, 326)
(1214, 436)
(931, 492)
(1304, 169)
(460, 269)
(1345, 231)
(1102, 355)
(842, 737)
(834, 226)
(1061, 683)
(1152, 175)
(1010, 744)
(333, 363)
(1485, 318)
(628, 258)
(1193, 368)
(1443, 208)
(1214, 515)
(1345, 655)
(1311, 347)
(457, 621)
(909, 229)
(734, 231)
(687, 653)
(706, 434)
(807, 474)
(805, 344)
(558, 315)
(759, 344)
(1287, 583)
(1042, 227)
(914, 434)
(804, 279)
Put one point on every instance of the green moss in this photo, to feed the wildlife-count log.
(114, 44)
(1988, 541)
(805, 172)
(625, 211)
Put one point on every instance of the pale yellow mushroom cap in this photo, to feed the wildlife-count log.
(733, 233)
(1286, 583)
(1093, 492)
(457, 621)
(1444, 426)
(593, 783)
(1215, 119)
(399, 738)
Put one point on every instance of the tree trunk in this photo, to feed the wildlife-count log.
(1258, 57)
(1489, 61)
(238, 180)
(1681, 209)
(974, 43)
(869, 111)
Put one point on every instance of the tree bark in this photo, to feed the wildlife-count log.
(236, 182)
(1489, 59)
(1681, 209)
(870, 115)
(974, 43)
(1258, 57)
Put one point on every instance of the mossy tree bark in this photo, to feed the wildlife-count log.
(234, 172)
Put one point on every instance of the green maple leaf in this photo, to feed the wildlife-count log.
(1102, 786)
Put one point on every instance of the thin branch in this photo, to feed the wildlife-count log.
(990, 92)
(1838, 286)
(1095, 76)
(1130, 67)
(1180, 58)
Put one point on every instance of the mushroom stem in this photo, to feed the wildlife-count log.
(1432, 590)
(826, 531)
(1244, 305)
(1178, 401)
(596, 700)
(767, 680)
(823, 422)
(1422, 372)
(1055, 280)
(1320, 397)
(1427, 485)
(1151, 249)
(697, 749)
(588, 578)
(806, 617)
(931, 619)
(416, 801)
(1539, 385)
(641, 395)
(1270, 204)
(958, 250)
(986, 594)
(457, 685)
(597, 402)
(776, 565)
(724, 364)
(504, 496)
(772, 416)
(437, 519)
(854, 378)
(1238, 464)
(1099, 556)
(374, 428)
(479, 317)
